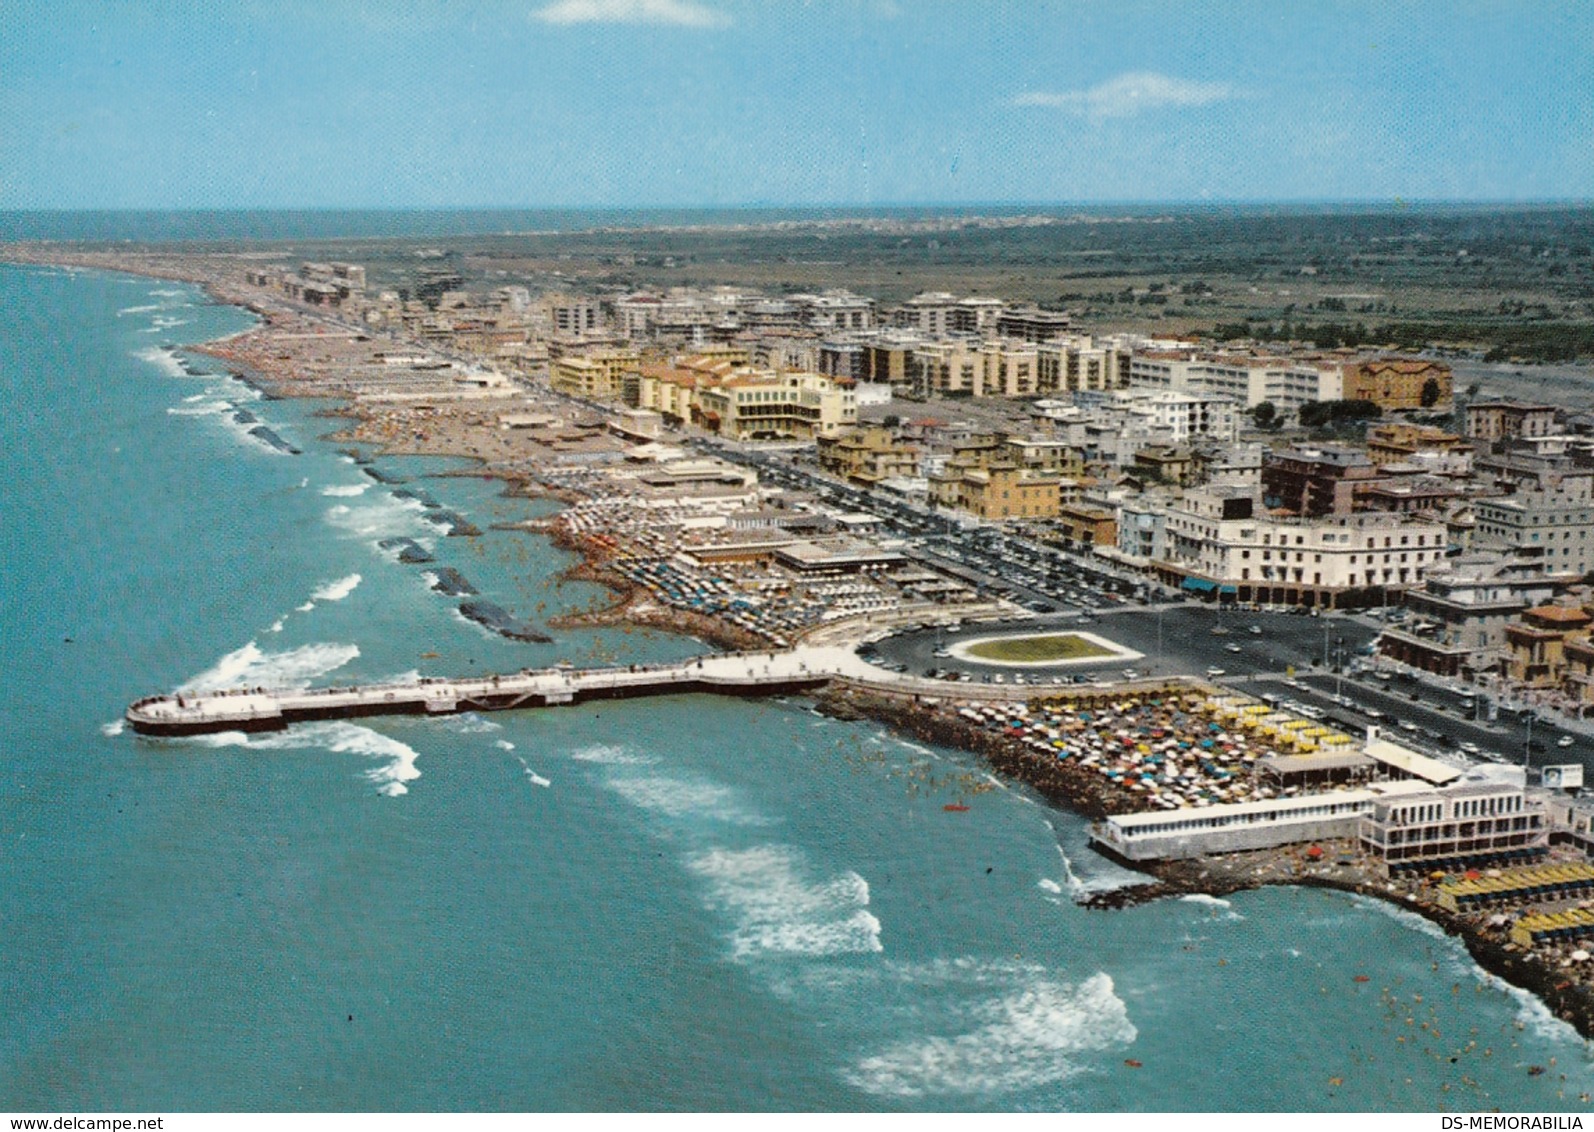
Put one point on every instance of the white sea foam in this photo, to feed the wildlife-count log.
(1049, 885)
(168, 293)
(337, 736)
(251, 666)
(1022, 1039)
(381, 515)
(305, 608)
(112, 728)
(145, 309)
(196, 397)
(201, 407)
(166, 360)
(336, 591)
(779, 910)
(1535, 1016)
(503, 744)
(676, 798)
(1109, 878)
(276, 626)
(160, 323)
(1400, 915)
(412, 676)
(469, 723)
(345, 490)
(1206, 898)
(609, 755)
(536, 779)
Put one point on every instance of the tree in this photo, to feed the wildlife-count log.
(1429, 397)
(1264, 414)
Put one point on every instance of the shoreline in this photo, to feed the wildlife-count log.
(1063, 785)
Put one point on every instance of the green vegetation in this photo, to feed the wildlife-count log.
(1038, 649)
(1320, 413)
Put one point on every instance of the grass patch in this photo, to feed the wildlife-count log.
(1031, 650)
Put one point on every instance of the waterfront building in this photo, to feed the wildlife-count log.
(1219, 540)
(1240, 826)
(599, 375)
(1473, 821)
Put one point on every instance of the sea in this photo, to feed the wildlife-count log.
(684, 903)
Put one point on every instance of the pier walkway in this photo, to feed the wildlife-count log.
(767, 673)
(738, 674)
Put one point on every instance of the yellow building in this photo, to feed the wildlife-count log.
(1537, 644)
(867, 455)
(1398, 383)
(998, 491)
(754, 405)
(1080, 525)
(597, 376)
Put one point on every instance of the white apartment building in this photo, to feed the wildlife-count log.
(1552, 529)
(1184, 416)
(1247, 380)
(1216, 540)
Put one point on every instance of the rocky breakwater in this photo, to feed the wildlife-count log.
(501, 621)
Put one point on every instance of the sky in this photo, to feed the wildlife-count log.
(722, 103)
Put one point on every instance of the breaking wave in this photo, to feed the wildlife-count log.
(336, 736)
(1020, 1039)
(336, 591)
(779, 911)
(346, 490)
(251, 666)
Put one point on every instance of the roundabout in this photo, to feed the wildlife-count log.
(1042, 650)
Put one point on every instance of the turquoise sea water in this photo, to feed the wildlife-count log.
(683, 903)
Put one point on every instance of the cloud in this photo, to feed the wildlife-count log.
(680, 13)
(1131, 94)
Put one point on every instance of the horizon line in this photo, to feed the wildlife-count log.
(1394, 203)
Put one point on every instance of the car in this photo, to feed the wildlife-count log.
(1130, 674)
(1219, 631)
(1255, 630)
(1565, 741)
(1232, 648)
(1408, 725)
(1215, 672)
(1470, 748)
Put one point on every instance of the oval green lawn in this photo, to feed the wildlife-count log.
(1030, 650)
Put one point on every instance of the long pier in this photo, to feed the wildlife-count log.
(272, 709)
(773, 673)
